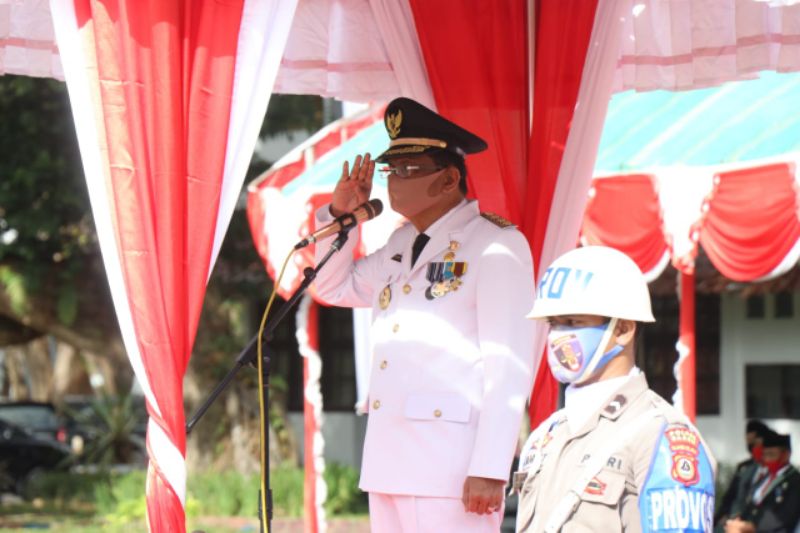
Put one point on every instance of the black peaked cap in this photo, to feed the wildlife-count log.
(776, 440)
(414, 129)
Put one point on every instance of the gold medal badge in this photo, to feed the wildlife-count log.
(385, 298)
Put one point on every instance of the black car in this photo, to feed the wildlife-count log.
(38, 418)
(22, 455)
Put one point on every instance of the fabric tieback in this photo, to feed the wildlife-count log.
(419, 244)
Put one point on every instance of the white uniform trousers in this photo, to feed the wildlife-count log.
(392, 513)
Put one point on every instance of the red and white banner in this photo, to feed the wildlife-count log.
(745, 216)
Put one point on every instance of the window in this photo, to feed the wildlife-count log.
(784, 305)
(755, 306)
(707, 321)
(772, 391)
(656, 353)
(338, 381)
(338, 359)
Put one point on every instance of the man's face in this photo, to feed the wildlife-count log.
(417, 184)
(412, 167)
(776, 454)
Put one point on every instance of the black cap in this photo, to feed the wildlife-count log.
(776, 440)
(758, 427)
(414, 129)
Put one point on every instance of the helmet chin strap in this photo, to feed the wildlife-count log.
(600, 358)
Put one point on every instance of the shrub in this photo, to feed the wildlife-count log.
(344, 496)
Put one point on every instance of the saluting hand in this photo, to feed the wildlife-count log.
(483, 495)
(354, 187)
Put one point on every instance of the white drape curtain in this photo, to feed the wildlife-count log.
(354, 50)
(262, 39)
(689, 44)
(396, 25)
(27, 40)
(335, 49)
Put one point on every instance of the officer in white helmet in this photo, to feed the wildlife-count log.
(617, 457)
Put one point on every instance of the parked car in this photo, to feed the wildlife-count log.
(23, 455)
(38, 418)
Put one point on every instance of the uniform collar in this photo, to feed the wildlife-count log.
(444, 230)
(613, 395)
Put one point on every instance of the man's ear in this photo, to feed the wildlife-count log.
(625, 332)
(451, 179)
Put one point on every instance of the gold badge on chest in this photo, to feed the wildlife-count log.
(385, 297)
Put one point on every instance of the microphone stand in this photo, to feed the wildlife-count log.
(249, 354)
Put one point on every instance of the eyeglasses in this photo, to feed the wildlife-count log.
(408, 171)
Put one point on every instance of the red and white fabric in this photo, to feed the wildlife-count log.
(27, 42)
(153, 116)
(746, 216)
(692, 44)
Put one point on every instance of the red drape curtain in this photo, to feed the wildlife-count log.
(563, 29)
(478, 65)
(476, 57)
(624, 212)
(311, 426)
(751, 223)
(165, 76)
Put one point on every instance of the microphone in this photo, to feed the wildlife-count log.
(366, 211)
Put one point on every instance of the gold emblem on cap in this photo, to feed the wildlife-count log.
(385, 298)
(393, 121)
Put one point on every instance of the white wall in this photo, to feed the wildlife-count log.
(746, 341)
(343, 434)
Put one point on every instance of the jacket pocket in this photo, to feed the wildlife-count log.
(446, 406)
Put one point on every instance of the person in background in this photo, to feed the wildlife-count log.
(773, 503)
(618, 457)
(734, 498)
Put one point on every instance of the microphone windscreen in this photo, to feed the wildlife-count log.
(375, 207)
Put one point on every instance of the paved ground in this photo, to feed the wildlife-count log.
(282, 525)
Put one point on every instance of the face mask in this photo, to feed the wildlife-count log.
(575, 354)
(757, 453)
(409, 196)
(774, 466)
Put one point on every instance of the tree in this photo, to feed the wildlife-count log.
(52, 279)
(51, 273)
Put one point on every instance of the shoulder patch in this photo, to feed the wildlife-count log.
(678, 492)
(497, 220)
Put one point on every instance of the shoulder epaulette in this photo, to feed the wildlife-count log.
(497, 220)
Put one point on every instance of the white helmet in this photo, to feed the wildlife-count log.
(593, 280)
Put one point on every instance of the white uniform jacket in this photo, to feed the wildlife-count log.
(450, 370)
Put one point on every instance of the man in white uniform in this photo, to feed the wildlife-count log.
(452, 352)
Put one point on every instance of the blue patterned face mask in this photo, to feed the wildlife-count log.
(574, 353)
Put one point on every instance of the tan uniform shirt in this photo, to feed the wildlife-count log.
(680, 500)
